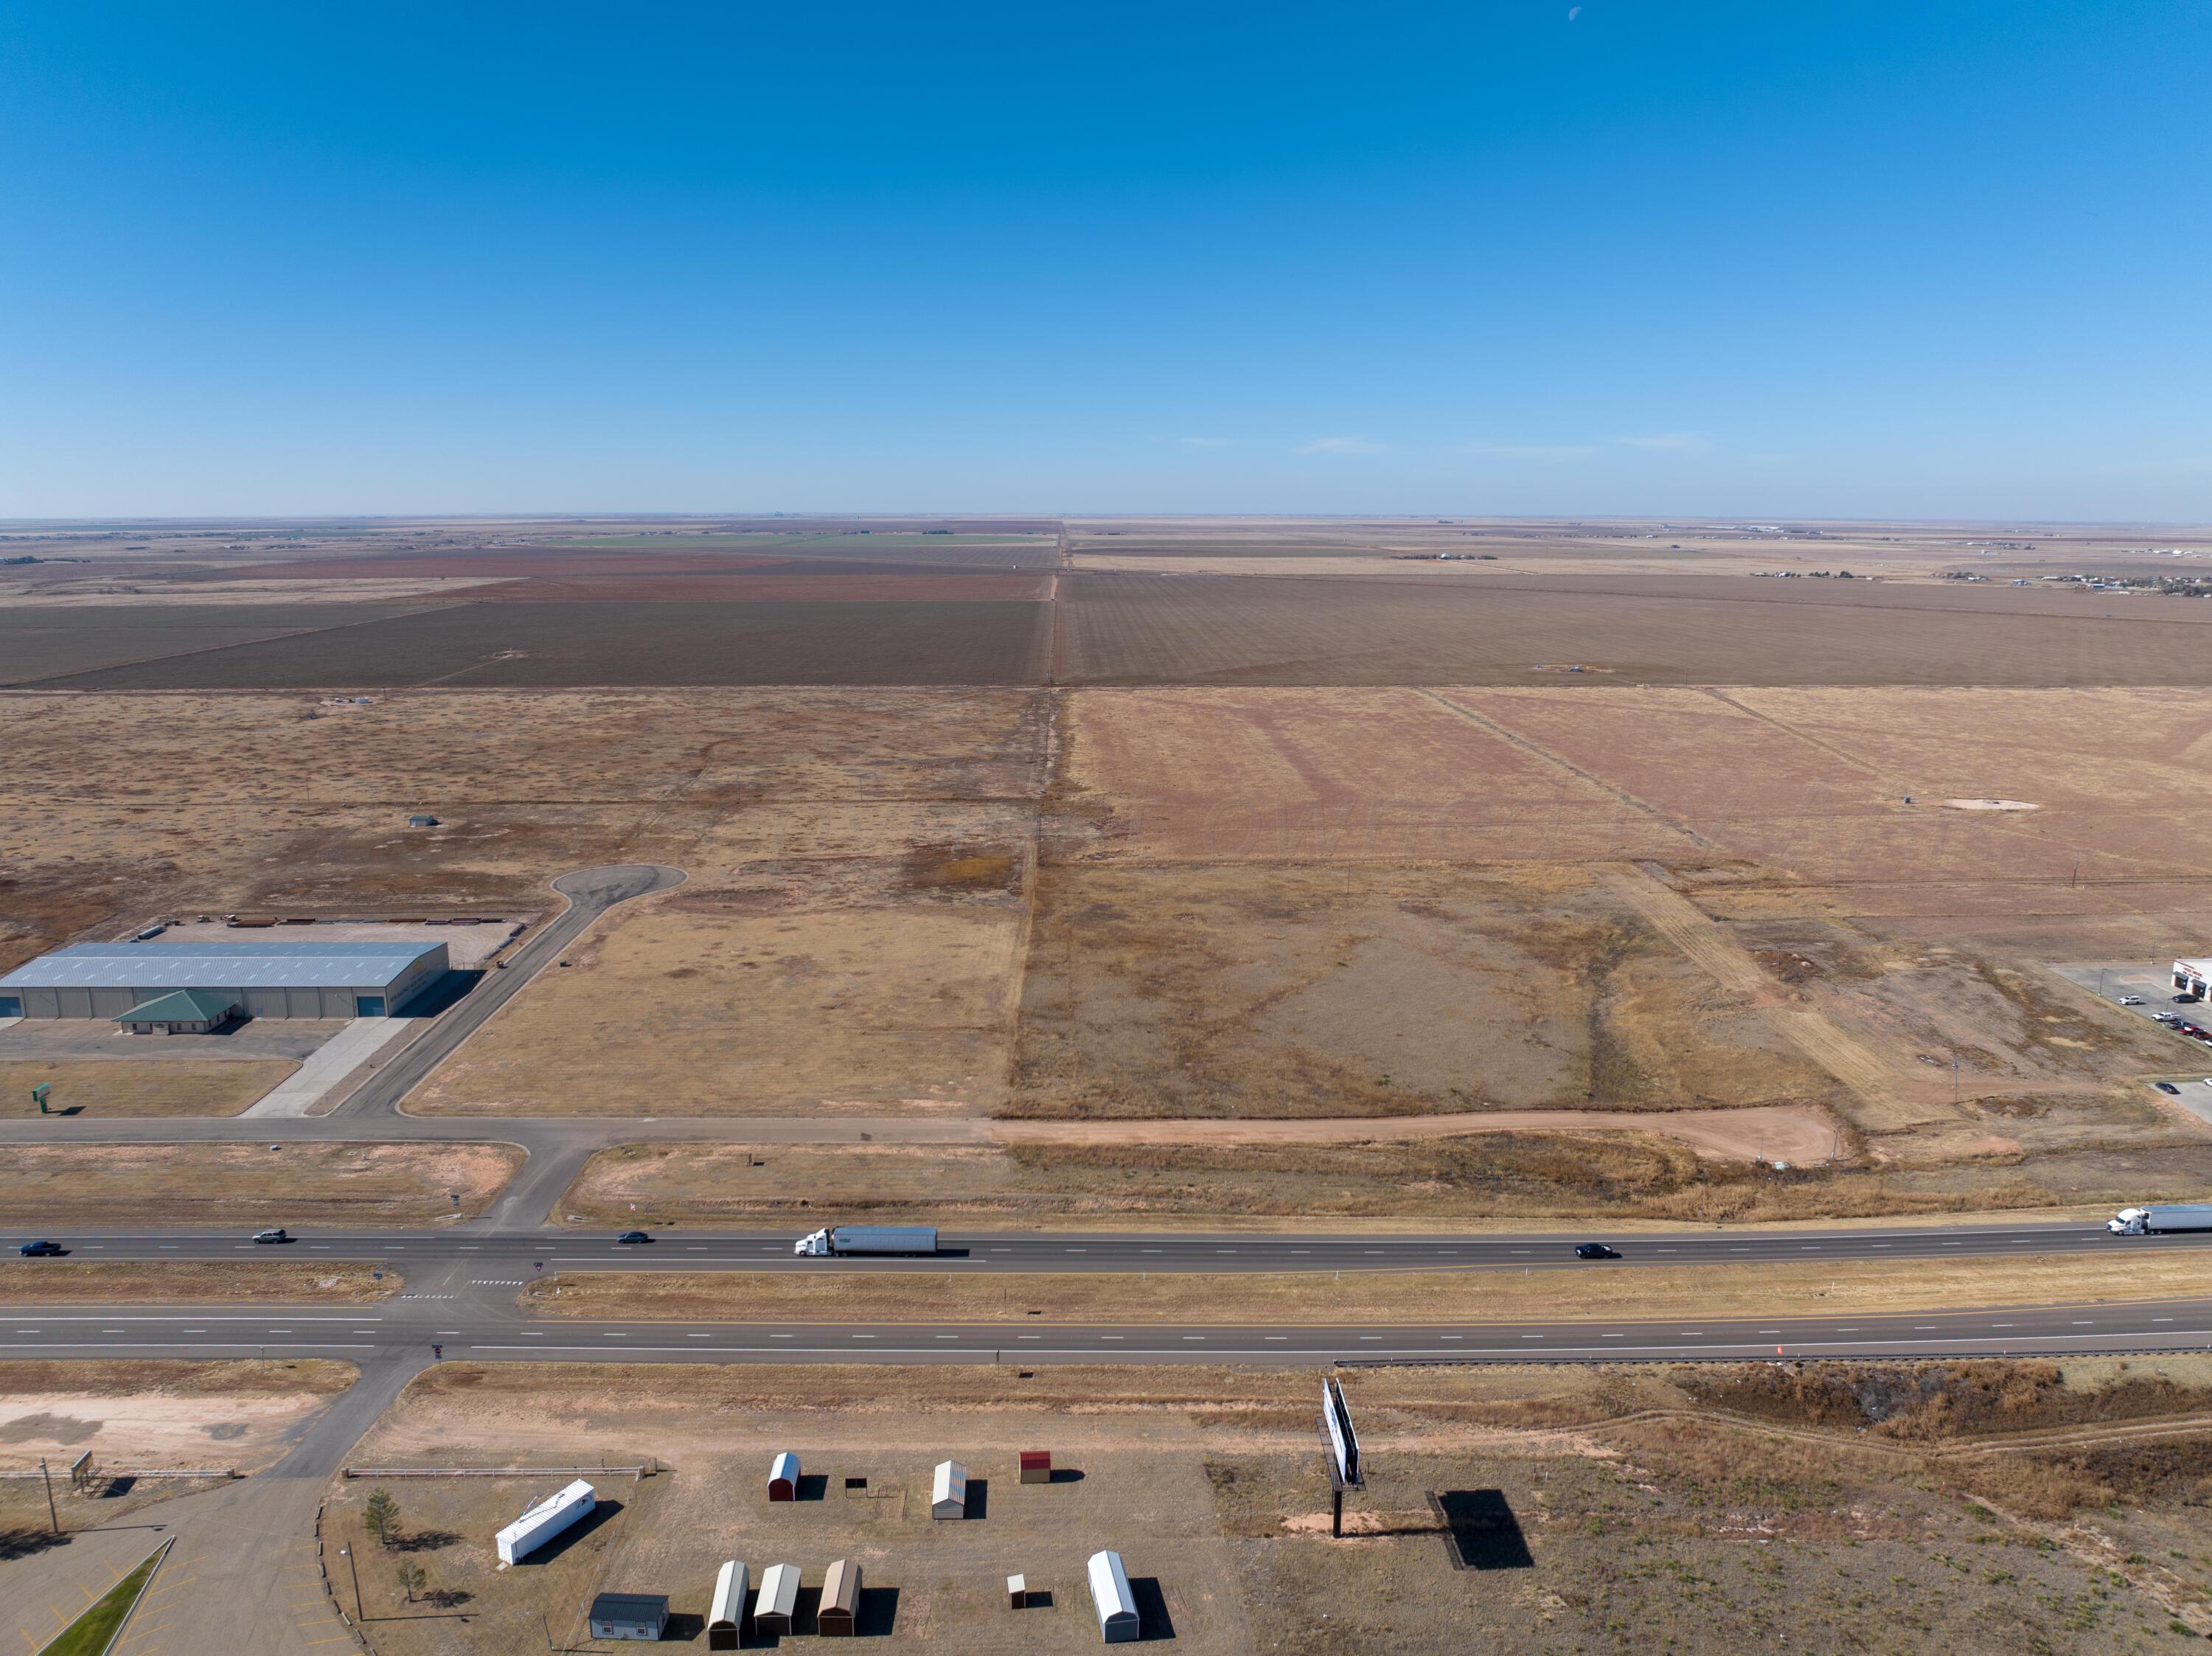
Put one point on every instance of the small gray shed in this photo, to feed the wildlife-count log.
(629, 1616)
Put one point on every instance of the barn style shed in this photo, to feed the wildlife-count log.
(726, 1611)
(783, 1477)
(1118, 1620)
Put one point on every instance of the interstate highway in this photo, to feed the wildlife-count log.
(1231, 1252)
(488, 1329)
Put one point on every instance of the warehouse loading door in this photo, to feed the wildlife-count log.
(368, 1006)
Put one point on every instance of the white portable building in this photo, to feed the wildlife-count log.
(545, 1520)
(783, 1477)
(1118, 1620)
(948, 1490)
(779, 1600)
(726, 1612)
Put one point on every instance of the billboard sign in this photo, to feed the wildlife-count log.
(1343, 1441)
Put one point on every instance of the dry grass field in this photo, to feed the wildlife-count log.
(1973, 1507)
(262, 803)
(190, 1282)
(1520, 1180)
(1369, 1299)
(90, 1185)
(127, 1087)
(749, 1001)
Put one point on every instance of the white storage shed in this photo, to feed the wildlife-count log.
(779, 1600)
(783, 1477)
(725, 1612)
(948, 1490)
(545, 1520)
(1118, 1620)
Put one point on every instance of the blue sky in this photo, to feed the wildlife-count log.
(1856, 260)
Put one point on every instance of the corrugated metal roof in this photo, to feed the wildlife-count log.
(270, 965)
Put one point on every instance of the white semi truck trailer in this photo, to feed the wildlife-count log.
(2159, 1221)
(840, 1240)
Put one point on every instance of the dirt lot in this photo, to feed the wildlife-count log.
(883, 991)
(122, 1086)
(1370, 1297)
(160, 1413)
(189, 1281)
(60, 1185)
(1981, 1508)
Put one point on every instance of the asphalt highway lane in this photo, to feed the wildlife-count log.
(499, 1333)
(1224, 1253)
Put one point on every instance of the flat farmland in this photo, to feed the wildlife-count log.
(661, 644)
(43, 642)
(1221, 629)
(884, 584)
(268, 802)
(1813, 782)
(1334, 775)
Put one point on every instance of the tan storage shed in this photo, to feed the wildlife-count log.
(1036, 1465)
(840, 1615)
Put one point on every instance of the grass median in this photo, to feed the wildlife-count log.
(1596, 1291)
(190, 1282)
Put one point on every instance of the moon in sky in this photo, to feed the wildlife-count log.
(1573, 12)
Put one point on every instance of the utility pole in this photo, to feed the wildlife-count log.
(353, 1568)
(1954, 1075)
(52, 1515)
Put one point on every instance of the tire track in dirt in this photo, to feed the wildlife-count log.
(1560, 761)
(1707, 943)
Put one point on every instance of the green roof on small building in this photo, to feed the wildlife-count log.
(180, 1006)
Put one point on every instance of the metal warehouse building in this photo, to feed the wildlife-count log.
(260, 980)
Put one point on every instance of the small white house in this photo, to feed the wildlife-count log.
(545, 1520)
(1118, 1620)
(948, 1490)
(726, 1610)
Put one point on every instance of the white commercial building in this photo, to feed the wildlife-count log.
(2192, 977)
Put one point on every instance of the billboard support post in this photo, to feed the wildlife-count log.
(1345, 1471)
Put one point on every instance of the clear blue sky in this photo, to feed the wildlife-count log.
(1651, 256)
